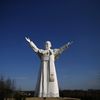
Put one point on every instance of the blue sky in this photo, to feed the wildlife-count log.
(59, 21)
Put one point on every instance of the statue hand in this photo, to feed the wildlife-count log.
(27, 39)
(69, 43)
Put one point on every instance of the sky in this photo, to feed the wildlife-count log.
(58, 21)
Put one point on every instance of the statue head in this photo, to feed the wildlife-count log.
(47, 45)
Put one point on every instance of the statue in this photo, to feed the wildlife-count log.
(47, 83)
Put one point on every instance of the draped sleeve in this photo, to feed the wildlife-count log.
(34, 47)
(59, 51)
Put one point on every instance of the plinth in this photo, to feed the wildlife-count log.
(65, 98)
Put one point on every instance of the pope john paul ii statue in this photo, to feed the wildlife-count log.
(47, 83)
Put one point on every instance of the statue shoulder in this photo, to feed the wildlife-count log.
(41, 50)
(55, 50)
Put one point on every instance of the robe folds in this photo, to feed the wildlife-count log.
(47, 84)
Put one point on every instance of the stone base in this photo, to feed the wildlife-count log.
(65, 98)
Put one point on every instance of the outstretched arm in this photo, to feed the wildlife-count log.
(34, 47)
(62, 49)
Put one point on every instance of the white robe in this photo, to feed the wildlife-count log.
(47, 85)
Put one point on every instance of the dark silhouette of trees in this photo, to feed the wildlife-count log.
(7, 88)
(82, 94)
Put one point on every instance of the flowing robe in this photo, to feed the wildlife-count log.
(47, 83)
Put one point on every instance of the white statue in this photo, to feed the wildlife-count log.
(47, 84)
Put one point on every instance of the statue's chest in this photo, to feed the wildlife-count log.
(47, 56)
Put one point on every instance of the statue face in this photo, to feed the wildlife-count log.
(47, 45)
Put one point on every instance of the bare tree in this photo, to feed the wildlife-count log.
(7, 87)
